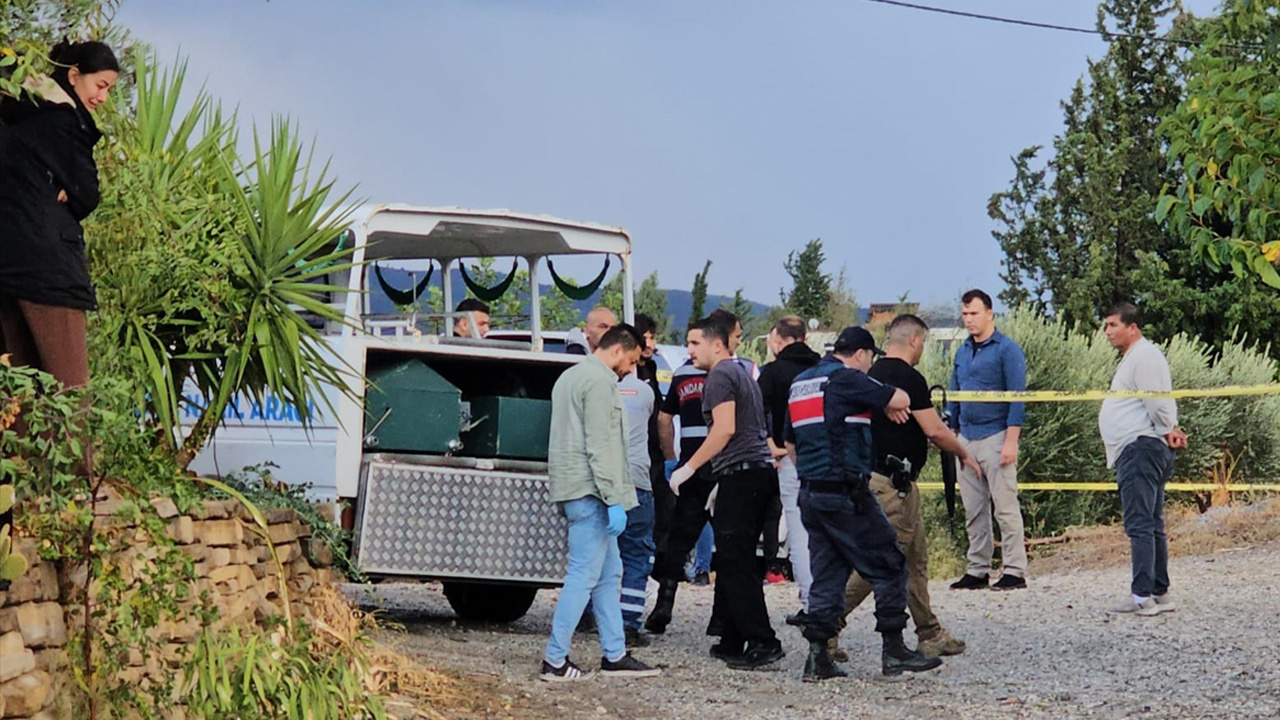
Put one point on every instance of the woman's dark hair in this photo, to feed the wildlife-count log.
(87, 57)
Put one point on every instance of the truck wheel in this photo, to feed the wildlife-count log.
(489, 602)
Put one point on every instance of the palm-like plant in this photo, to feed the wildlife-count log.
(203, 261)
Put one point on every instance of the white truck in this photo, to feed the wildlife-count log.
(437, 459)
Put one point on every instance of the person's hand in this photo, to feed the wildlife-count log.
(1177, 439)
(617, 521)
(679, 477)
(1008, 453)
(62, 196)
(669, 467)
(969, 462)
(897, 416)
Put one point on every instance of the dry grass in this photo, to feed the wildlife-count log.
(1190, 533)
(413, 691)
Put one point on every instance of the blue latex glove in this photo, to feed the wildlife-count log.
(617, 521)
(669, 467)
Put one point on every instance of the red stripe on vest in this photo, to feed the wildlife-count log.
(809, 408)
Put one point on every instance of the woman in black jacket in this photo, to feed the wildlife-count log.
(48, 184)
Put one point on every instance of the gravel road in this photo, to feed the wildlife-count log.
(1047, 652)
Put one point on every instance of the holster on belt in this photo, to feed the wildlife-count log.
(858, 487)
(900, 476)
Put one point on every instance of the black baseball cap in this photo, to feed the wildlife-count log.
(853, 339)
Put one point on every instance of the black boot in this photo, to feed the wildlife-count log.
(897, 658)
(819, 666)
(661, 616)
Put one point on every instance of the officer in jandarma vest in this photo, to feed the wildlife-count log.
(829, 433)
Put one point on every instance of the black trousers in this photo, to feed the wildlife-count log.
(770, 542)
(688, 517)
(840, 541)
(741, 506)
(664, 506)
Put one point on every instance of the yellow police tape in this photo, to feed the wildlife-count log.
(1066, 396)
(1109, 486)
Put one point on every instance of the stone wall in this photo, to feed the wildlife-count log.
(40, 609)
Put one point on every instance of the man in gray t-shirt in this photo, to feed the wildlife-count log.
(730, 382)
(635, 544)
(747, 484)
(1140, 435)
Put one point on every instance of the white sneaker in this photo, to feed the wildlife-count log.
(1147, 608)
(1164, 603)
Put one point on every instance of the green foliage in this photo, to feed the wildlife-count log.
(28, 28)
(277, 676)
(1072, 231)
(651, 300)
(1224, 144)
(1080, 230)
(204, 262)
(12, 564)
(842, 309)
(810, 295)
(743, 309)
(698, 307)
(121, 596)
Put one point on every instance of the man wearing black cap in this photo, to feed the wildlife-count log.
(829, 434)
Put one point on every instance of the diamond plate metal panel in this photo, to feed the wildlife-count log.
(445, 522)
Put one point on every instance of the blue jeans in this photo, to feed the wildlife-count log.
(1142, 470)
(702, 551)
(636, 547)
(594, 574)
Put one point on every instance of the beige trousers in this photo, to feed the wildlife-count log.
(999, 488)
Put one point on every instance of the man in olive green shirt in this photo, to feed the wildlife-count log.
(591, 482)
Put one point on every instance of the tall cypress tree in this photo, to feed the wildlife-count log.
(1079, 231)
(810, 295)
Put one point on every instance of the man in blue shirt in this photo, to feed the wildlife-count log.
(989, 431)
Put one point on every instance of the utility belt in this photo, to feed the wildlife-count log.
(742, 467)
(855, 486)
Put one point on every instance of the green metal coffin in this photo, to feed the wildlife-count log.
(508, 427)
(410, 408)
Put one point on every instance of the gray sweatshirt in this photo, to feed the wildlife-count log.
(1123, 420)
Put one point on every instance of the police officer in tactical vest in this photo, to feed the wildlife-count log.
(829, 433)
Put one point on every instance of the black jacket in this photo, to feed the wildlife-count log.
(46, 146)
(775, 385)
(647, 370)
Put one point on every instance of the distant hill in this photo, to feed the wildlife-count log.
(679, 302)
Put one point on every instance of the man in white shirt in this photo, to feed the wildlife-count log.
(1140, 435)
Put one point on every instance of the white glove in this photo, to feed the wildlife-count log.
(678, 478)
(711, 500)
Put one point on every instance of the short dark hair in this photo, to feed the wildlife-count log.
(87, 57)
(724, 316)
(976, 294)
(472, 305)
(1128, 312)
(645, 324)
(904, 327)
(713, 328)
(791, 327)
(622, 334)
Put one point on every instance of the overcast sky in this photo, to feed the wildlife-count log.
(731, 130)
